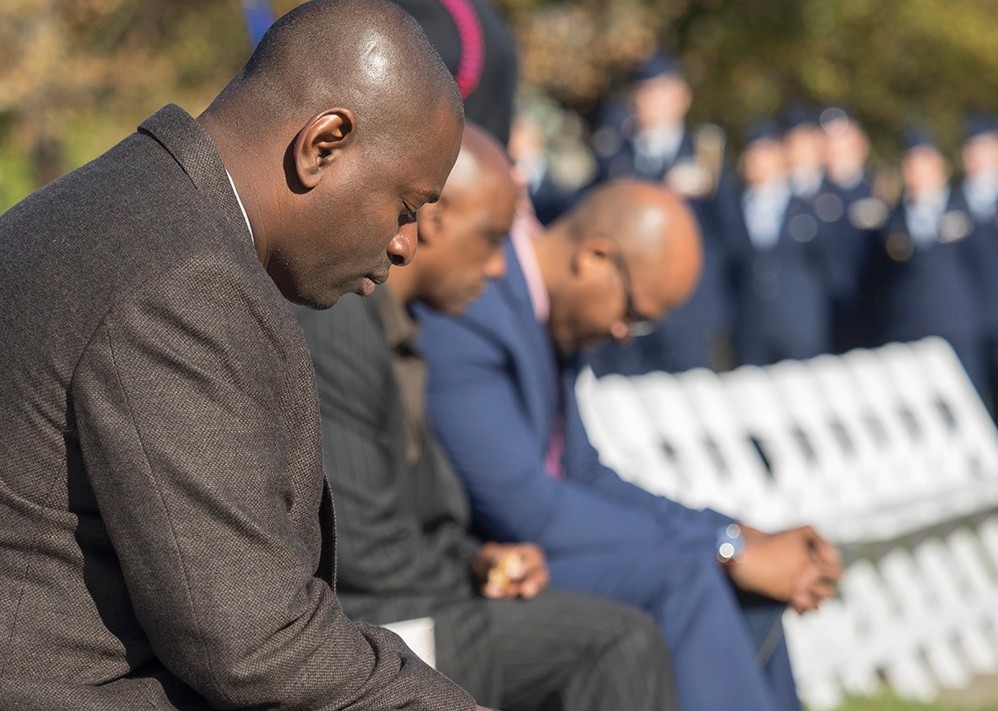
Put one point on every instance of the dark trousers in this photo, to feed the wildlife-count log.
(560, 650)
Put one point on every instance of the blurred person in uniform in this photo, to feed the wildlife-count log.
(779, 266)
(924, 264)
(804, 144)
(655, 143)
(979, 189)
(849, 217)
(528, 147)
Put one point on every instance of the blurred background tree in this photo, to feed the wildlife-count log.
(892, 61)
(77, 75)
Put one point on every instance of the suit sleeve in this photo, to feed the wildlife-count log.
(187, 439)
(582, 463)
(477, 411)
(382, 547)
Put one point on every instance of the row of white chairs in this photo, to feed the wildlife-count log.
(887, 446)
(866, 446)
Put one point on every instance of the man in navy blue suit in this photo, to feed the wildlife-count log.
(502, 400)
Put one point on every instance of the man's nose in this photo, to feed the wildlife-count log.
(620, 332)
(496, 266)
(402, 248)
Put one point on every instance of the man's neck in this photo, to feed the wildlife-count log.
(537, 252)
(247, 190)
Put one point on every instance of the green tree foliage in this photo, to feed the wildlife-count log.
(78, 75)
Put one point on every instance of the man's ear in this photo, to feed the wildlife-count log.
(318, 142)
(593, 253)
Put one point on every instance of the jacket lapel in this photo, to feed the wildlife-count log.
(529, 345)
(192, 148)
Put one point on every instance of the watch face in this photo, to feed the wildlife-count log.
(730, 543)
(726, 550)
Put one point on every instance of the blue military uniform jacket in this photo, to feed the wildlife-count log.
(983, 243)
(925, 287)
(782, 293)
(850, 220)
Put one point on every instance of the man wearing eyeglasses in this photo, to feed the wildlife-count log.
(501, 397)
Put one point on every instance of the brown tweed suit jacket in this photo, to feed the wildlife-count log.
(165, 532)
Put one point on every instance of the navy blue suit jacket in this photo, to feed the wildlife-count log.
(494, 390)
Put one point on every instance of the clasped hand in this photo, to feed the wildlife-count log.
(508, 570)
(796, 566)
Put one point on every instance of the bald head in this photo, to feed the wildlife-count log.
(629, 251)
(368, 55)
(655, 229)
(343, 123)
(461, 236)
(481, 160)
(637, 215)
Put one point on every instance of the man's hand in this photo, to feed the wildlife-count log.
(796, 566)
(505, 570)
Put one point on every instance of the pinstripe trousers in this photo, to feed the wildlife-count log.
(560, 650)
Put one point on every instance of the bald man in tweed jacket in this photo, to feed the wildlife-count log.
(166, 534)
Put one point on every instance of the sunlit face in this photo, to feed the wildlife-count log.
(980, 154)
(805, 147)
(662, 100)
(360, 219)
(525, 139)
(763, 161)
(467, 247)
(606, 309)
(846, 149)
(923, 170)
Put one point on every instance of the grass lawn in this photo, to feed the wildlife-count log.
(888, 702)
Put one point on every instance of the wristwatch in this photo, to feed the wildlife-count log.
(730, 543)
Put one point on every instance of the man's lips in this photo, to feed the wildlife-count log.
(370, 281)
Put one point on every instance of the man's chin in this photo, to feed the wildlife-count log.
(317, 303)
(453, 306)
